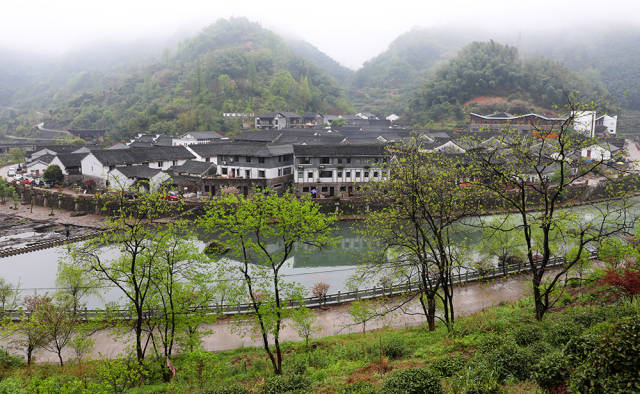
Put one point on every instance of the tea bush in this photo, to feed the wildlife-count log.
(551, 371)
(283, 384)
(412, 381)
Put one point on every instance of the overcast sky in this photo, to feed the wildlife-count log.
(349, 31)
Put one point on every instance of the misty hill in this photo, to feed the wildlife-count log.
(483, 69)
(320, 59)
(607, 56)
(384, 82)
(231, 66)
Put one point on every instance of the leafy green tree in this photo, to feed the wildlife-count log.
(500, 240)
(6, 191)
(516, 174)
(423, 198)
(16, 155)
(132, 231)
(303, 320)
(361, 312)
(53, 174)
(183, 287)
(59, 322)
(31, 332)
(74, 284)
(249, 226)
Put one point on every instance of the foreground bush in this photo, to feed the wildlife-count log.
(449, 365)
(613, 366)
(551, 371)
(282, 384)
(508, 361)
(412, 381)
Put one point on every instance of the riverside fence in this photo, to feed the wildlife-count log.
(312, 302)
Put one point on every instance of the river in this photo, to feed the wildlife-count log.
(35, 273)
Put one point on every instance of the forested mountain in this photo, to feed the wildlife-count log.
(309, 52)
(604, 56)
(231, 66)
(383, 83)
(608, 56)
(237, 66)
(491, 69)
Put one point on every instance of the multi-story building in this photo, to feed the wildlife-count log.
(271, 120)
(337, 170)
(197, 137)
(607, 124)
(97, 165)
(246, 165)
(523, 123)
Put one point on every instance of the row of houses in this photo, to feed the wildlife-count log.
(321, 162)
(283, 120)
(585, 122)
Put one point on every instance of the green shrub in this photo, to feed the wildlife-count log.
(393, 348)
(579, 348)
(587, 318)
(10, 361)
(283, 384)
(526, 335)
(11, 385)
(319, 358)
(120, 374)
(232, 389)
(297, 364)
(360, 388)
(477, 378)
(448, 365)
(562, 332)
(491, 341)
(540, 348)
(613, 364)
(412, 381)
(551, 371)
(200, 368)
(508, 360)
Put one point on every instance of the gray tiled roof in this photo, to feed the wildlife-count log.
(140, 172)
(71, 159)
(339, 150)
(256, 149)
(193, 167)
(204, 135)
(142, 155)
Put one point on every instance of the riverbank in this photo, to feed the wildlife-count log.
(335, 320)
(62, 217)
(499, 349)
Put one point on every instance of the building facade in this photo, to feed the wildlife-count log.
(326, 171)
(523, 123)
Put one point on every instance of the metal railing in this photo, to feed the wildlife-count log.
(330, 299)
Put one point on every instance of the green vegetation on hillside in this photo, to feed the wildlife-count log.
(493, 69)
(320, 59)
(588, 344)
(231, 66)
(383, 83)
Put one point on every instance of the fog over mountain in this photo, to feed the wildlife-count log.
(350, 32)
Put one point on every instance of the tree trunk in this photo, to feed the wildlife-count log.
(431, 313)
(138, 331)
(539, 304)
(60, 358)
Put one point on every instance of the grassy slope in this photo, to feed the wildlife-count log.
(336, 363)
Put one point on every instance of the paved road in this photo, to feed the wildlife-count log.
(469, 299)
(633, 154)
(4, 169)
